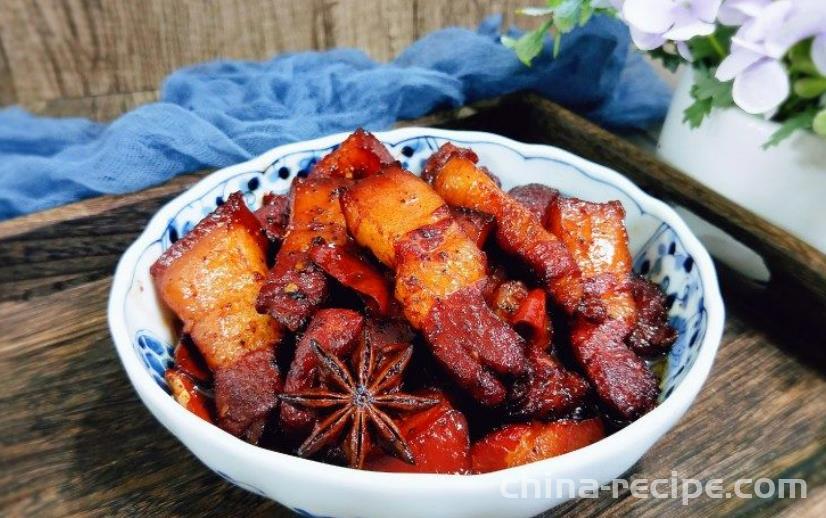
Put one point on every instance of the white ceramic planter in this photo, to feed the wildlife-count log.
(785, 184)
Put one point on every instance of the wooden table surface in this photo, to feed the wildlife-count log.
(74, 439)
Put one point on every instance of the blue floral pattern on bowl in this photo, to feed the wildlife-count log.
(156, 354)
(658, 253)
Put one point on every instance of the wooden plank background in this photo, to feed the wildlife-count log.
(99, 58)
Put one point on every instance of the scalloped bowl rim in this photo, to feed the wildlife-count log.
(656, 423)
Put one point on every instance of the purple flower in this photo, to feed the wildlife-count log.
(767, 31)
(653, 22)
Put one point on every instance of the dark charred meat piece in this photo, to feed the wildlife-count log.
(349, 268)
(652, 335)
(472, 343)
(246, 392)
(384, 333)
(293, 291)
(360, 155)
(535, 197)
(624, 383)
(548, 390)
(274, 215)
(336, 330)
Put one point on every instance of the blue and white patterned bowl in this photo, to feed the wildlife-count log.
(664, 251)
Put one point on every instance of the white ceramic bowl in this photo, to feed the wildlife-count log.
(664, 250)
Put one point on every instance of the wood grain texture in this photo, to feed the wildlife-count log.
(75, 439)
(100, 108)
(83, 49)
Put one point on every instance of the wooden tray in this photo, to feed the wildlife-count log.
(795, 296)
(77, 440)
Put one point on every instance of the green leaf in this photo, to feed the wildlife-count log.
(696, 112)
(670, 61)
(801, 51)
(585, 13)
(711, 49)
(566, 15)
(819, 123)
(706, 86)
(800, 59)
(530, 44)
(800, 121)
(810, 87)
(557, 43)
(708, 93)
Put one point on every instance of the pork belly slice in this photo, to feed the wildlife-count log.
(361, 154)
(548, 389)
(596, 236)
(439, 277)
(625, 385)
(461, 183)
(296, 286)
(476, 225)
(210, 279)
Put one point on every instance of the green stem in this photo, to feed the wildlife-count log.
(716, 46)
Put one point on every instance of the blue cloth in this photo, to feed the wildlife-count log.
(223, 112)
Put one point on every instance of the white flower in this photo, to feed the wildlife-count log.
(768, 29)
(653, 22)
(806, 19)
(738, 12)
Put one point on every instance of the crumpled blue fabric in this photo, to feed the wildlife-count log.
(223, 112)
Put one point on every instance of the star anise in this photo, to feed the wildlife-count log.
(359, 402)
